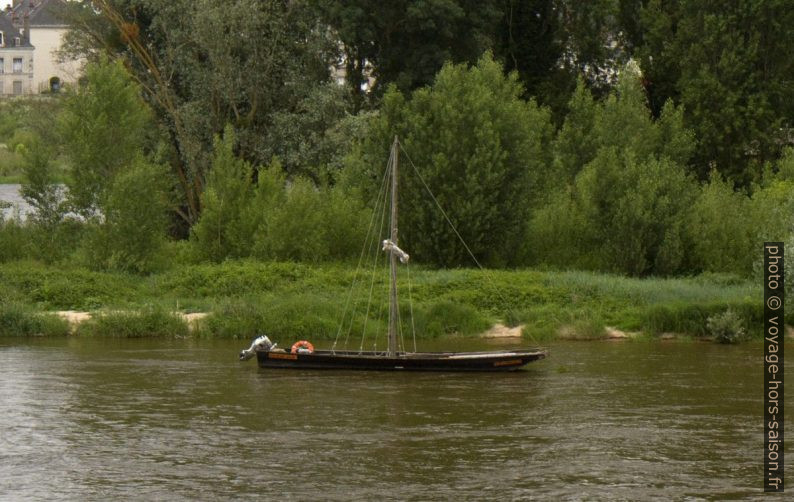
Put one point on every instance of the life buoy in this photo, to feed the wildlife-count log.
(302, 344)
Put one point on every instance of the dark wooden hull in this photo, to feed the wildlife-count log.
(503, 360)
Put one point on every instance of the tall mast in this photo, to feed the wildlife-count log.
(393, 312)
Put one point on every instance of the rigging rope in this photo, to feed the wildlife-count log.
(374, 266)
(411, 302)
(361, 256)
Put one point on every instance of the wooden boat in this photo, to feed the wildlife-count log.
(303, 356)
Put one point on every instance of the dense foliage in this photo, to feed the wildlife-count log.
(642, 138)
(482, 152)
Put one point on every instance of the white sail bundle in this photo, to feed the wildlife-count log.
(389, 246)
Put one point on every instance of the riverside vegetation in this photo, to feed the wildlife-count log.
(601, 179)
(292, 300)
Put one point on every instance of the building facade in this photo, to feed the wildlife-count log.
(16, 60)
(39, 22)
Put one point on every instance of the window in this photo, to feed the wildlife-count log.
(17, 65)
(2, 39)
(2, 66)
(17, 87)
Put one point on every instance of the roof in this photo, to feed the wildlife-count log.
(11, 33)
(43, 13)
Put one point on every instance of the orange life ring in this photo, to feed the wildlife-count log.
(302, 344)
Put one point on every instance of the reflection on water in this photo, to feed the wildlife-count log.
(143, 419)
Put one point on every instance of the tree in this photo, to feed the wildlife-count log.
(39, 189)
(205, 64)
(635, 212)
(576, 143)
(104, 126)
(623, 120)
(722, 228)
(484, 154)
(226, 228)
(132, 231)
(624, 204)
(728, 65)
(406, 42)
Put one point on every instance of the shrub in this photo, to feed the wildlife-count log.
(40, 189)
(65, 287)
(312, 225)
(13, 238)
(132, 235)
(274, 219)
(722, 228)
(693, 318)
(150, 322)
(444, 318)
(228, 224)
(636, 211)
(284, 319)
(726, 327)
(16, 320)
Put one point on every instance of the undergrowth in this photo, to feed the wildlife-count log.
(291, 301)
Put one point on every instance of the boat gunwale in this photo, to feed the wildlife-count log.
(539, 353)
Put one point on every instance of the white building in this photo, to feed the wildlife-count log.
(39, 22)
(16, 60)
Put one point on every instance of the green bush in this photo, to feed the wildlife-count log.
(312, 225)
(726, 327)
(40, 189)
(13, 239)
(444, 318)
(11, 163)
(273, 219)
(149, 322)
(693, 318)
(635, 213)
(65, 287)
(285, 319)
(722, 229)
(228, 220)
(16, 320)
(231, 278)
(132, 235)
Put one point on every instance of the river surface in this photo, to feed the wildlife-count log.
(97, 419)
(10, 193)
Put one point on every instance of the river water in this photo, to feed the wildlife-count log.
(95, 419)
(10, 193)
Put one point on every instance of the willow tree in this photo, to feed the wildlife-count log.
(203, 64)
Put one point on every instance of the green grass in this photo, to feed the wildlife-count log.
(148, 322)
(21, 320)
(289, 301)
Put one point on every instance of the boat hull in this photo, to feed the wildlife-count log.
(508, 360)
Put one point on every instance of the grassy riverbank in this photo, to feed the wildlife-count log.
(291, 301)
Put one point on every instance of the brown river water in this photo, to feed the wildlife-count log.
(96, 419)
